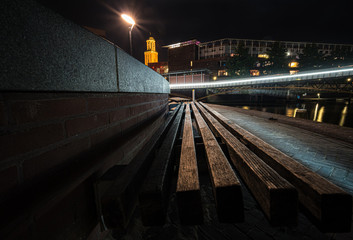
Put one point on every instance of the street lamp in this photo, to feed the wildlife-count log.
(131, 21)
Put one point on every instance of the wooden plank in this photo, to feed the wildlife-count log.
(277, 197)
(329, 205)
(226, 186)
(154, 194)
(120, 199)
(188, 186)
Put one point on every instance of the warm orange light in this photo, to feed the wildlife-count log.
(254, 72)
(263, 55)
(293, 64)
(128, 19)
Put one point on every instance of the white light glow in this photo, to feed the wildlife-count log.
(128, 19)
(254, 80)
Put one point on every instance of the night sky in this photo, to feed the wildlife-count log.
(171, 21)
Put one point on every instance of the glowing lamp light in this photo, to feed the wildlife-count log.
(131, 21)
(128, 19)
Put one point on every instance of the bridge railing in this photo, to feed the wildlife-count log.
(307, 75)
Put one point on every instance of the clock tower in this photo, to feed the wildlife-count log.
(151, 56)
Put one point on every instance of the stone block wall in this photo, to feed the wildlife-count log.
(47, 137)
(72, 105)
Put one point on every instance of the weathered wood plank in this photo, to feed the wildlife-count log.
(330, 206)
(188, 186)
(226, 186)
(120, 199)
(277, 197)
(153, 197)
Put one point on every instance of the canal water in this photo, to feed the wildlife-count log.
(339, 113)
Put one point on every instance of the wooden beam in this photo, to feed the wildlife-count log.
(328, 204)
(277, 197)
(226, 186)
(154, 194)
(188, 186)
(119, 200)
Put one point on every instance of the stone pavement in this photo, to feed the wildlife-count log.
(328, 156)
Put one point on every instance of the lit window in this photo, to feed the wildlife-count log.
(293, 64)
(291, 72)
(222, 73)
(263, 55)
(254, 72)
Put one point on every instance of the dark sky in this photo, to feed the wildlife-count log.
(171, 21)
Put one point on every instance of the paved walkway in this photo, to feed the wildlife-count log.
(328, 156)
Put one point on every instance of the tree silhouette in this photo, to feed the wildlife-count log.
(240, 63)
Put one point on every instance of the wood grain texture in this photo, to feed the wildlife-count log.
(188, 186)
(153, 197)
(327, 204)
(226, 186)
(119, 201)
(277, 197)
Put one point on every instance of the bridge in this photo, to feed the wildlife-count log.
(323, 80)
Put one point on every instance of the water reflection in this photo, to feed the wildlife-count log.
(330, 112)
(289, 112)
(343, 115)
(321, 114)
(315, 112)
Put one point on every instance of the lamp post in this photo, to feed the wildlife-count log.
(131, 21)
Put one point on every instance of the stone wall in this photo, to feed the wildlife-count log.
(72, 105)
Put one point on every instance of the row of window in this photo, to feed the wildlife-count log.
(219, 52)
(257, 43)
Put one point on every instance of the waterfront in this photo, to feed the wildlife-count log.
(334, 112)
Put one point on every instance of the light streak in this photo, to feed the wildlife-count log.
(255, 80)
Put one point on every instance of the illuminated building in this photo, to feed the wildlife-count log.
(151, 56)
(227, 46)
(188, 56)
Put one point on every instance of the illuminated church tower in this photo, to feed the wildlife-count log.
(151, 56)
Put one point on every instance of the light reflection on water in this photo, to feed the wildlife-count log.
(340, 113)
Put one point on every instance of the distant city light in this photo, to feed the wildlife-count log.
(263, 55)
(293, 64)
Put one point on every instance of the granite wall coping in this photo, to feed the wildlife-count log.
(42, 51)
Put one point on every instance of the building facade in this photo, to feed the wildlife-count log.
(151, 55)
(227, 46)
(194, 55)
